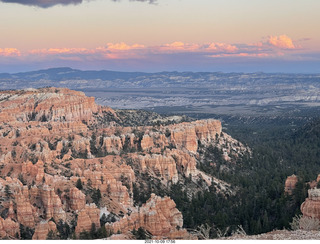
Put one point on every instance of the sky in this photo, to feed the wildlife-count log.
(161, 35)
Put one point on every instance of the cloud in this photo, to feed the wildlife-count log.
(110, 51)
(221, 47)
(124, 51)
(256, 55)
(283, 42)
(43, 3)
(123, 46)
(175, 47)
(164, 56)
(9, 52)
(51, 3)
(60, 51)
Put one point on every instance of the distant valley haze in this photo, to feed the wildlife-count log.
(182, 92)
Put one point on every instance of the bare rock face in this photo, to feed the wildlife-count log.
(52, 204)
(160, 165)
(186, 135)
(42, 230)
(147, 142)
(11, 213)
(26, 213)
(47, 104)
(77, 199)
(290, 184)
(112, 144)
(8, 228)
(158, 215)
(311, 206)
(88, 216)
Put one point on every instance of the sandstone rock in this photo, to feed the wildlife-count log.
(47, 104)
(311, 206)
(146, 142)
(42, 230)
(112, 144)
(88, 216)
(8, 228)
(160, 165)
(77, 199)
(158, 215)
(52, 204)
(186, 135)
(26, 213)
(290, 184)
(11, 213)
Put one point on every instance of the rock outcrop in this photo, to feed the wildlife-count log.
(158, 216)
(26, 213)
(88, 216)
(290, 184)
(77, 199)
(311, 206)
(187, 135)
(162, 166)
(47, 104)
(52, 204)
(42, 230)
(9, 228)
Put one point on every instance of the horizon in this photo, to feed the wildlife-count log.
(156, 35)
(149, 72)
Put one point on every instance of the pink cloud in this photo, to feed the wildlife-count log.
(275, 46)
(258, 55)
(54, 51)
(9, 52)
(221, 47)
(283, 42)
(175, 47)
(123, 46)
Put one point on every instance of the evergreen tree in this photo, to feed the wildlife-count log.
(79, 184)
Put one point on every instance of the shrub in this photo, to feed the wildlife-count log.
(305, 223)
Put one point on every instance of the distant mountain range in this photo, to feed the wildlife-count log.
(78, 79)
(66, 73)
(185, 90)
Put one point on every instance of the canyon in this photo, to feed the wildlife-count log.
(66, 161)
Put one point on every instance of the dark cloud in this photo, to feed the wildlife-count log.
(51, 3)
(43, 3)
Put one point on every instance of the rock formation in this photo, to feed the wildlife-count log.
(52, 204)
(9, 228)
(311, 206)
(42, 230)
(77, 199)
(26, 213)
(53, 137)
(88, 216)
(290, 184)
(47, 104)
(158, 216)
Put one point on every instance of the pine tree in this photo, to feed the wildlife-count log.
(79, 184)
